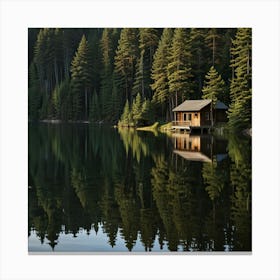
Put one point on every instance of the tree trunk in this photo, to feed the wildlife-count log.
(213, 54)
(66, 64)
(56, 72)
(212, 122)
(199, 76)
(142, 84)
(170, 108)
(46, 87)
(86, 102)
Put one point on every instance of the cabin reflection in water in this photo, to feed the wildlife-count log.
(199, 147)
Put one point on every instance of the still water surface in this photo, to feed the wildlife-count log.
(100, 189)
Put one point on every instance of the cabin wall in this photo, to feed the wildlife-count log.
(220, 116)
(196, 119)
(205, 119)
(184, 119)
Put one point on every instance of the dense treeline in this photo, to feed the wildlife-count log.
(99, 74)
(130, 182)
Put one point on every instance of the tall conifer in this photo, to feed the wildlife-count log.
(125, 60)
(160, 74)
(179, 67)
(148, 41)
(240, 89)
(81, 77)
(198, 59)
(107, 49)
(214, 88)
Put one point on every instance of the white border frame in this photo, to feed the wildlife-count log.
(17, 16)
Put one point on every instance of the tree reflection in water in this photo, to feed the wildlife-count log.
(191, 193)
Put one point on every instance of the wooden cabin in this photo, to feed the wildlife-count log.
(197, 114)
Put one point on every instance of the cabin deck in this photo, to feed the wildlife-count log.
(187, 127)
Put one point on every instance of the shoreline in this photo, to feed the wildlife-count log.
(56, 121)
(164, 128)
(61, 121)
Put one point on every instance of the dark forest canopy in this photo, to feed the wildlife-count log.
(97, 74)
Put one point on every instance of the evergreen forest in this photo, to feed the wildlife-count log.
(136, 76)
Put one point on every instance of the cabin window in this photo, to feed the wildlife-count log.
(207, 116)
(187, 117)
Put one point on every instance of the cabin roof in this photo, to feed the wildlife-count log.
(197, 105)
(192, 105)
(221, 105)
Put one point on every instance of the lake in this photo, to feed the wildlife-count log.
(101, 189)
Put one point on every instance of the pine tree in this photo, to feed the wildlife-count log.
(81, 76)
(95, 58)
(211, 41)
(240, 88)
(139, 82)
(58, 55)
(214, 86)
(32, 38)
(56, 101)
(125, 60)
(94, 114)
(41, 57)
(116, 104)
(126, 115)
(34, 93)
(106, 73)
(49, 58)
(179, 67)
(107, 49)
(136, 109)
(224, 53)
(160, 75)
(213, 89)
(148, 41)
(44, 59)
(147, 114)
(199, 59)
(61, 100)
(218, 43)
(70, 43)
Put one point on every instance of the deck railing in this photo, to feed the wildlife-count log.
(181, 123)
